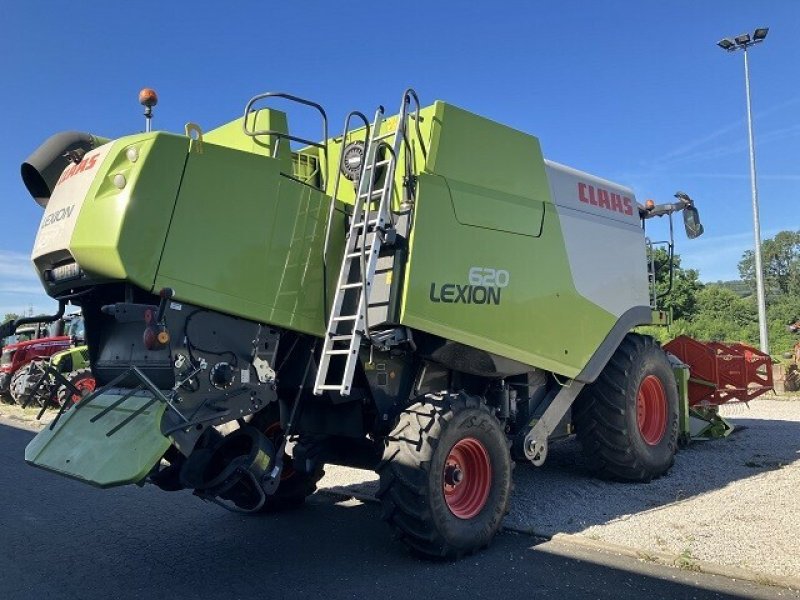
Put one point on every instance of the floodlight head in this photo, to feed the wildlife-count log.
(726, 44)
(742, 40)
(760, 33)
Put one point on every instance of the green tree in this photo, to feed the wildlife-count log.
(682, 298)
(10, 316)
(723, 316)
(781, 262)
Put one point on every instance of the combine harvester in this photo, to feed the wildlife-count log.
(424, 295)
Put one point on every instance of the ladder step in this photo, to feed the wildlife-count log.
(374, 194)
(329, 387)
(370, 222)
(368, 249)
(336, 352)
(380, 163)
(384, 136)
(349, 286)
(345, 318)
(340, 338)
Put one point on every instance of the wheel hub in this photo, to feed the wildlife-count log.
(467, 478)
(651, 410)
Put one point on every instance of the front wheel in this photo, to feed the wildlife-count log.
(445, 477)
(84, 382)
(627, 420)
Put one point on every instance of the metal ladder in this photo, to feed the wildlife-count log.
(369, 229)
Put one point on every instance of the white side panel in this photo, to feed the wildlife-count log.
(604, 238)
(61, 213)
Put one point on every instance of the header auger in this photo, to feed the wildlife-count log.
(416, 296)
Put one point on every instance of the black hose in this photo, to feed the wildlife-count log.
(41, 170)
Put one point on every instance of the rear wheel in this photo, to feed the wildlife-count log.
(295, 485)
(445, 477)
(627, 420)
(25, 387)
(81, 379)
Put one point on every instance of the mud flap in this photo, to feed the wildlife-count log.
(100, 444)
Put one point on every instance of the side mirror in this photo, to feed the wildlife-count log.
(691, 222)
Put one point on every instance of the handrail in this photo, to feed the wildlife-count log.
(408, 95)
(285, 135)
(334, 196)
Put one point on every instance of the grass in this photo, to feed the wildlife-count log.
(687, 562)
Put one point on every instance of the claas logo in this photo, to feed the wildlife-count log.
(87, 163)
(588, 194)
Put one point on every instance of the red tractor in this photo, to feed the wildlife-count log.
(19, 354)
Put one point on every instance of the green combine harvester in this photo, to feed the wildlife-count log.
(424, 295)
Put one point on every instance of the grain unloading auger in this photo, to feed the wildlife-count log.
(424, 295)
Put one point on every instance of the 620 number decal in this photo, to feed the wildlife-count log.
(488, 277)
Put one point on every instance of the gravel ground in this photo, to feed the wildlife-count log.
(734, 501)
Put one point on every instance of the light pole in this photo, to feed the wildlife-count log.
(743, 42)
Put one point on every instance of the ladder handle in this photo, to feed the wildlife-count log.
(332, 209)
(335, 194)
(409, 95)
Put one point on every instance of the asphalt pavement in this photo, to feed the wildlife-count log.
(60, 539)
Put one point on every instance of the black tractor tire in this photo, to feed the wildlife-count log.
(21, 393)
(422, 502)
(295, 486)
(81, 379)
(627, 420)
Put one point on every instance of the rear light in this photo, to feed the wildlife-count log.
(64, 272)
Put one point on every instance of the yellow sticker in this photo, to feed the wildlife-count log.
(389, 278)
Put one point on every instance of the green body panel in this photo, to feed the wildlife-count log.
(71, 359)
(496, 174)
(78, 448)
(541, 320)
(119, 234)
(493, 210)
(247, 240)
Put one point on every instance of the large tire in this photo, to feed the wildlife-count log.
(627, 420)
(25, 380)
(436, 513)
(295, 486)
(81, 379)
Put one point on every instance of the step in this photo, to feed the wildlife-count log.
(358, 252)
(346, 318)
(339, 338)
(338, 352)
(371, 222)
(329, 387)
(348, 286)
(380, 163)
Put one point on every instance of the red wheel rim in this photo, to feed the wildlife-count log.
(85, 386)
(651, 410)
(467, 478)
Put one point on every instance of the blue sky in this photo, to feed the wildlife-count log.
(634, 91)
